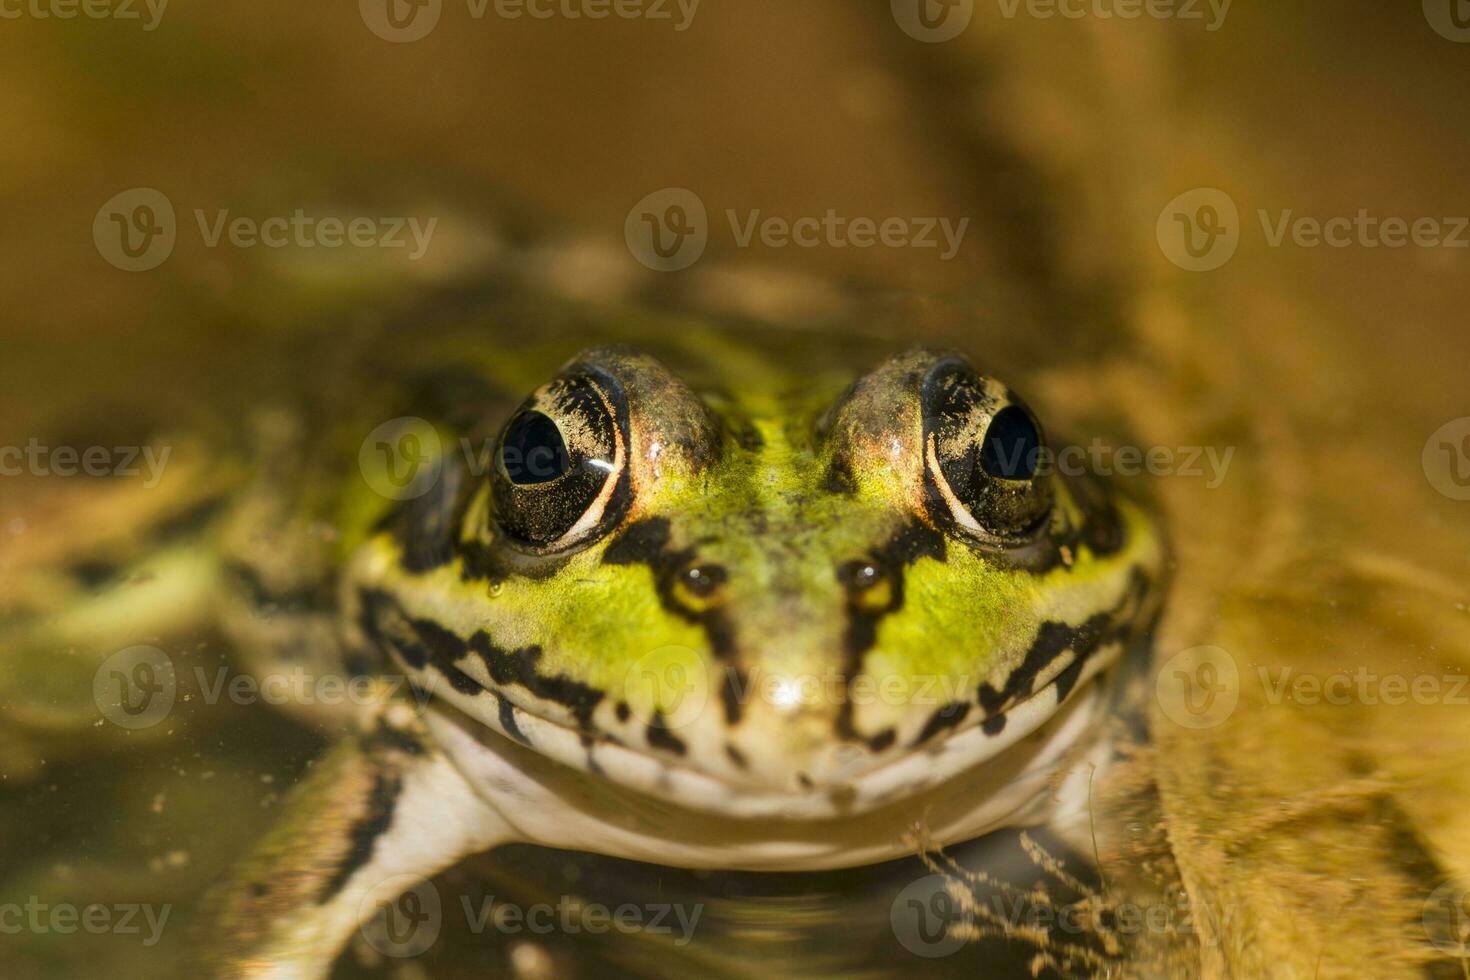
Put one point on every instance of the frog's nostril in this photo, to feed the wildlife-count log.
(869, 584)
(860, 575)
(703, 581)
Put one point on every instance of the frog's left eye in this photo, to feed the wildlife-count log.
(983, 449)
(558, 462)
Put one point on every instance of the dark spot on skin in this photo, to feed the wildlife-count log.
(643, 543)
(94, 574)
(623, 711)
(259, 889)
(913, 541)
(747, 436)
(839, 479)
(251, 581)
(425, 527)
(883, 740)
(946, 717)
(397, 739)
(508, 722)
(363, 835)
(659, 736)
(993, 725)
(804, 780)
(736, 756)
(732, 693)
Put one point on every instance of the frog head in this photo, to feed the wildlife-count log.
(742, 596)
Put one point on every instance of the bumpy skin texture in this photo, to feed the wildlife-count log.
(765, 584)
(778, 588)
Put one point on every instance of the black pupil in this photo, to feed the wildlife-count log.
(1011, 444)
(533, 451)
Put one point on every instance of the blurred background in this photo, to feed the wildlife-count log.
(1126, 181)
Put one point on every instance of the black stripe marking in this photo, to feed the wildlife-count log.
(659, 736)
(364, 833)
(1052, 638)
(431, 645)
(946, 717)
(508, 722)
(508, 667)
(646, 542)
(913, 541)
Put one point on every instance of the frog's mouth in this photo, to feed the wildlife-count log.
(615, 800)
(1041, 725)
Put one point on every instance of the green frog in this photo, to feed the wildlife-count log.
(713, 599)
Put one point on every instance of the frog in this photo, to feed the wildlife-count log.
(708, 599)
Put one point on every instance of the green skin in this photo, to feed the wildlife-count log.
(776, 598)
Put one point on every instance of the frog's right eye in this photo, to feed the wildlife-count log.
(982, 451)
(558, 462)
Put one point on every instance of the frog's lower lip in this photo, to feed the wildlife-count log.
(678, 781)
